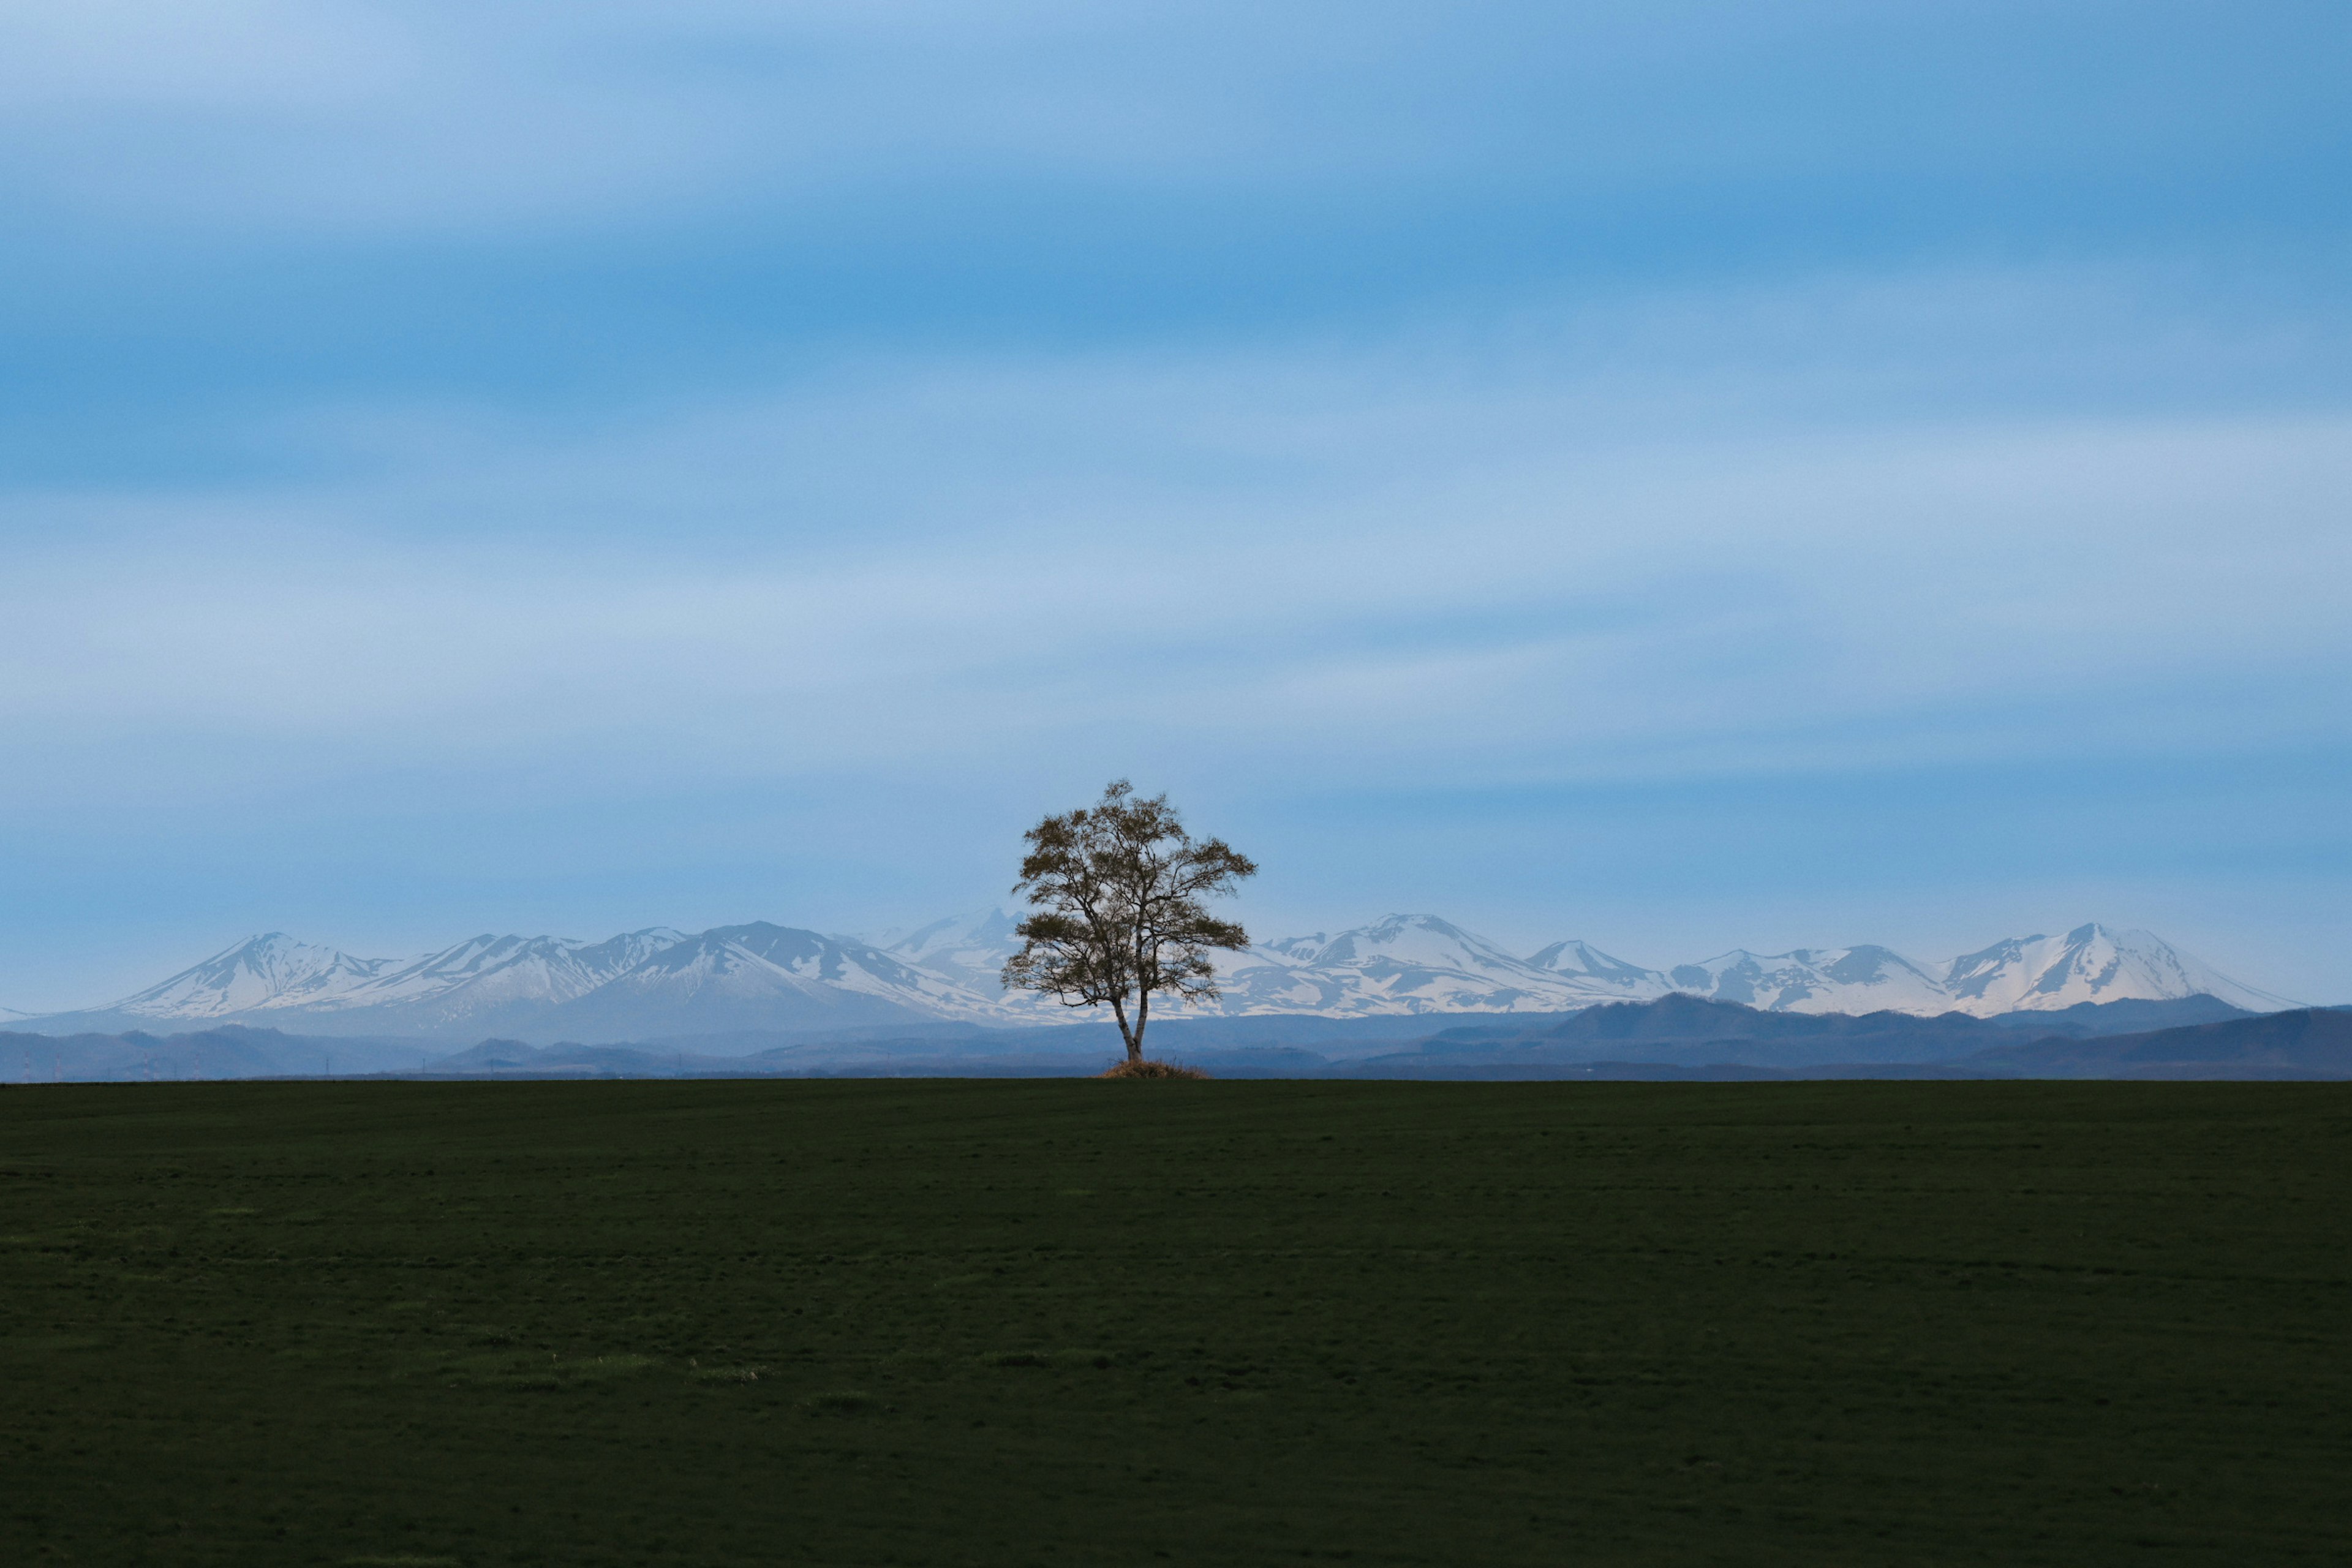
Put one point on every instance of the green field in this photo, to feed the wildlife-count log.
(1081, 1322)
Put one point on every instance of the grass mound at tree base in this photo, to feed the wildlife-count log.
(1147, 1067)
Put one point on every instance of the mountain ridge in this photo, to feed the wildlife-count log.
(1675, 1036)
(658, 981)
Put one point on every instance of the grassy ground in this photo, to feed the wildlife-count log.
(1057, 1323)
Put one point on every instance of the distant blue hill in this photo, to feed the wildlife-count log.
(2312, 1042)
(231, 1050)
(1676, 1035)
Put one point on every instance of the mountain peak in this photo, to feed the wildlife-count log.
(2090, 963)
(970, 949)
(1613, 977)
(1861, 979)
(266, 970)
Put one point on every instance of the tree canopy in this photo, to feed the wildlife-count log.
(1119, 888)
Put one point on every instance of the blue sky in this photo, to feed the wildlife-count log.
(1679, 475)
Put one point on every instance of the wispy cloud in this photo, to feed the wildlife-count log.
(1589, 563)
(591, 465)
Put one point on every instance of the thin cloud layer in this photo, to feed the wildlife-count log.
(572, 467)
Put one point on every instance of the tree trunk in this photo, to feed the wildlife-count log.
(1132, 1035)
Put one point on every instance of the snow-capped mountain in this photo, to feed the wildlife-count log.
(259, 973)
(480, 983)
(756, 976)
(1610, 979)
(489, 981)
(970, 949)
(2089, 963)
(2029, 973)
(657, 982)
(765, 976)
(1409, 964)
(1816, 980)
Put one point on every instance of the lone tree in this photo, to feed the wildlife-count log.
(1118, 886)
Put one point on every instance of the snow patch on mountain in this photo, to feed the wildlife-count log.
(970, 949)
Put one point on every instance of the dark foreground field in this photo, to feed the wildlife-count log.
(1071, 1323)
